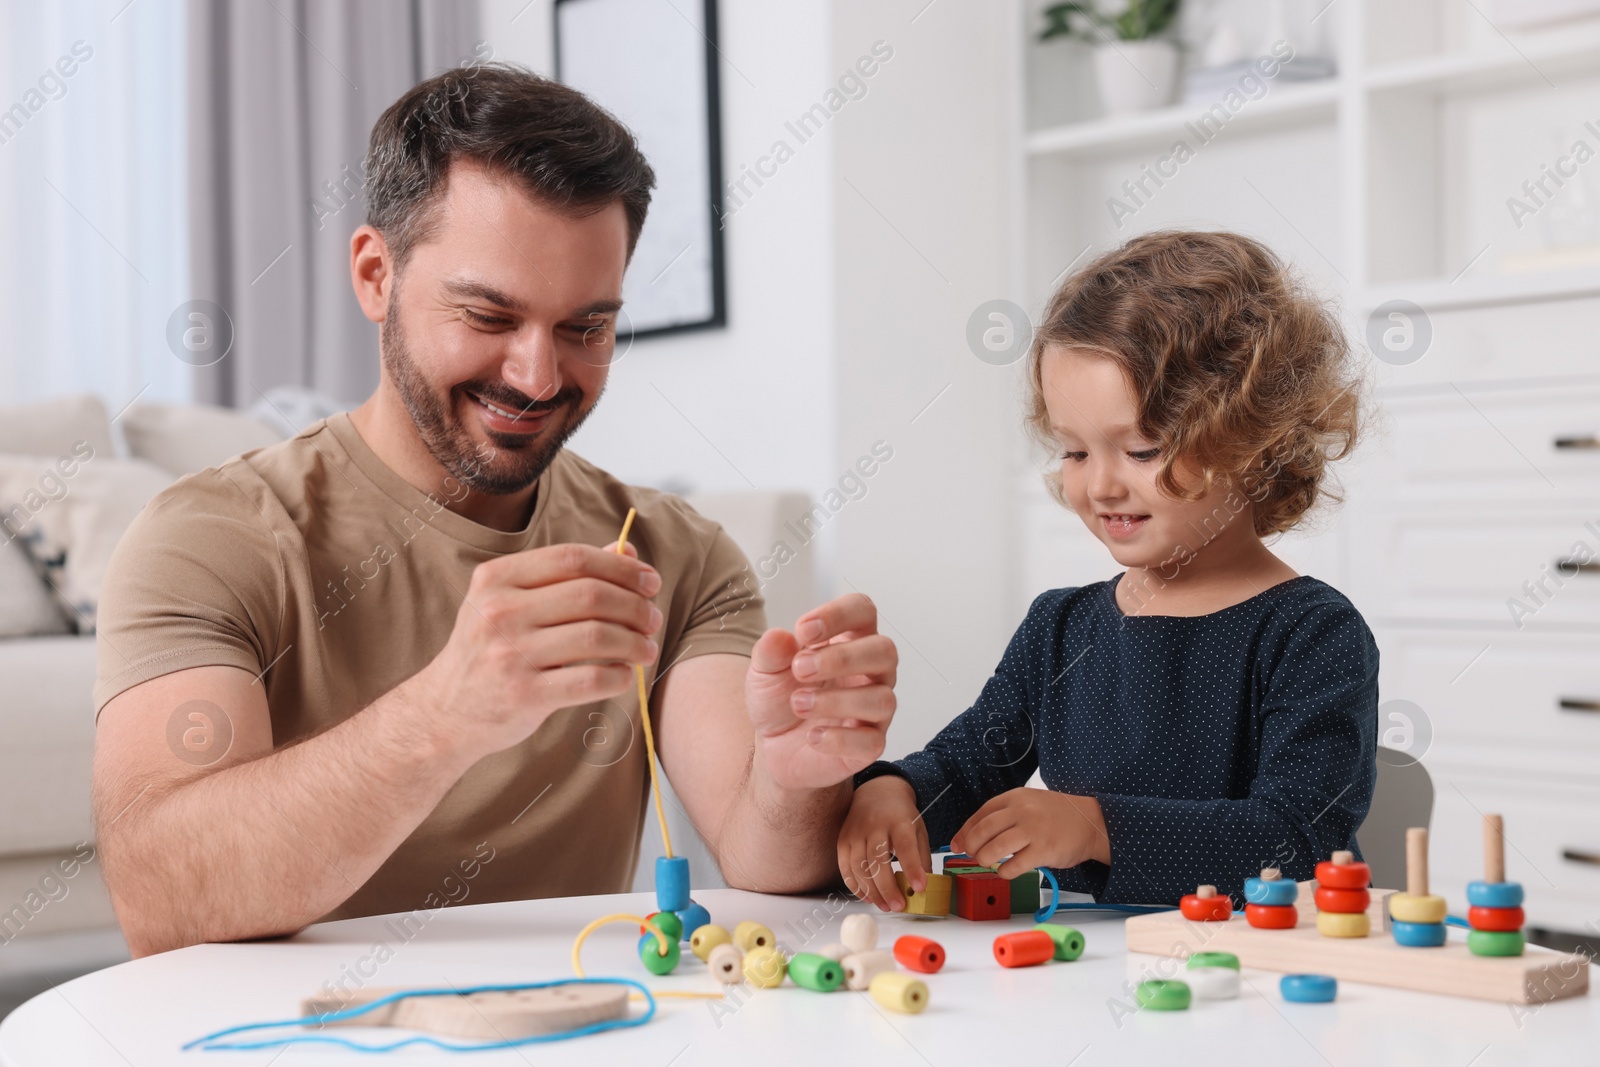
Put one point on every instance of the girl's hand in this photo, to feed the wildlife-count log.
(883, 818)
(1036, 828)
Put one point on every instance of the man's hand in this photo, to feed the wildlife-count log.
(821, 697)
(1036, 828)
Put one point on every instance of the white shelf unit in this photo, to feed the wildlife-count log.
(1389, 182)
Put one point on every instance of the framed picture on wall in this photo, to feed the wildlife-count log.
(653, 64)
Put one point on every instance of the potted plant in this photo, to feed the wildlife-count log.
(1137, 70)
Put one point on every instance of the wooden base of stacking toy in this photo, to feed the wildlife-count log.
(497, 1016)
(1539, 975)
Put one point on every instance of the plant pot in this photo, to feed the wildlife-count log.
(1136, 76)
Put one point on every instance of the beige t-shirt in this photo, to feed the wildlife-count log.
(315, 563)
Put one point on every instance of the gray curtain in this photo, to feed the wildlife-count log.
(283, 94)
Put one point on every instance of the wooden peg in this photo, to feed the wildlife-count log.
(1417, 861)
(1494, 849)
(1343, 857)
(1270, 874)
(1205, 892)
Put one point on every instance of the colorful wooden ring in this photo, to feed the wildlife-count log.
(1025, 948)
(859, 933)
(1206, 909)
(654, 960)
(1270, 917)
(727, 964)
(1343, 875)
(666, 922)
(1277, 893)
(1405, 908)
(1418, 935)
(860, 968)
(1212, 959)
(693, 918)
(705, 940)
(899, 992)
(1494, 894)
(1495, 942)
(750, 936)
(1212, 983)
(672, 883)
(764, 967)
(1343, 924)
(817, 973)
(1498, 920)
(1345, 900)
(1308, 988)
(1069, 942)
(1162, 994)
(919, 954)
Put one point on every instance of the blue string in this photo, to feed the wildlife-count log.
(1456, 920)
(1043, 914)
(210, 1041)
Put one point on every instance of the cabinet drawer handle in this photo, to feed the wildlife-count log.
(1584, 441)
(1579, 704)
(1572, 855)
(1570, 566)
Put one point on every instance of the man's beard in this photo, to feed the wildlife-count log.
(509, 463)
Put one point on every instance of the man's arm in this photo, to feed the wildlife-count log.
(761, 750)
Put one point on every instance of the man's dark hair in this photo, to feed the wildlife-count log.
(561, 146)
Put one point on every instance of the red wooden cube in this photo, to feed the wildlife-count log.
(982, 896)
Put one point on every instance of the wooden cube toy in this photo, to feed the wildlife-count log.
(933, 900)
(1025, 893)
(982, 896)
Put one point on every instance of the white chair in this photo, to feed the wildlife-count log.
(1402, 798)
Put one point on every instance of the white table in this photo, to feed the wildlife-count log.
(139, 1013)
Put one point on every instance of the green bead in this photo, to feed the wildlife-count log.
(1069, 942)
(1214, 959)
(1162, 994)
(654, 961)
(1495, 942)
(1025, 893)
(669, 923)
(815, 972)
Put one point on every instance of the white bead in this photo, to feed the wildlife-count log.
(834, 952)
(1212, 983)
(727, 964)
(859, 932)
(861, 968)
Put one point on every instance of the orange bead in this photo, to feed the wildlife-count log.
(1343, 875)
(1206, 909)
(1024, 949)
(1499, 920)
(1272, 916)
(1342, 900)
(921, 954)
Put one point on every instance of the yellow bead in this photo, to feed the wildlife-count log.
(765, 967)
(708, 937)
(1343, 924)
(751, 935)
(1405, 908)
(899, 992)
(727, 964)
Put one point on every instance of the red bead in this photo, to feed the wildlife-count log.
(1272, 916)
(1343, 876)
(923, 955)
(1342, 900)
(1024, 949)
(1499, 920)
(982, 896)
(1206, 909)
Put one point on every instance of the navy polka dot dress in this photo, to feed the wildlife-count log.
(1216, 744)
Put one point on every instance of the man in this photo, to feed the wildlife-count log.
(391, 660)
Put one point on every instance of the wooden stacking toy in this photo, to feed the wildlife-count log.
(1204, 905)
(1270, 901)
(1342, 896)
(1494, 905)
(1417, 917)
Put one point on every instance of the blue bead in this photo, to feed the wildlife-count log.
(672, 883)
(694, 917)
(1276, 894)
(1418, 935)
(1494, 894)
(1308, 988)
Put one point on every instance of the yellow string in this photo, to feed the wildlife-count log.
(644, 716)
(661, 941)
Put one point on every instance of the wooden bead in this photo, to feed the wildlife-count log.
(1308, 988)
(861, 968)
(859, 933)
(1343, 924)
(816, 973)
(672, 883)
(1495, 943)
(1212, 983)
(1417, 935)
(934, 898)
(1197, 908)
(898, 992)
(667, 922)
(1500, 920)
(1162, 994)
(655, 961)
(1270, 917)
(1403, 907)
(1025, 948)
(1274, 892)
(834, 951)
(1342, 900)
(919, 954)
(1494, 894)
(750, 936)
(693, 918)
(764, 967)
(1208, 960)
(1343, 875)
(727, 963)
(1069, 942)
(980, 897)
(704, 940)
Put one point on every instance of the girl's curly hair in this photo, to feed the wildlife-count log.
(1239, 371)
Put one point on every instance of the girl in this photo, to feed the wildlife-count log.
(1207, 712)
